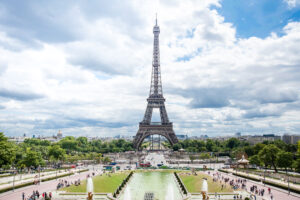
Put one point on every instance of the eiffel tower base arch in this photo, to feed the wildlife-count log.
(146, 130)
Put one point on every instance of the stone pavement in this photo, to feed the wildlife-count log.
(292, 185)
(29, 178)
(43, 187)
(278, 194)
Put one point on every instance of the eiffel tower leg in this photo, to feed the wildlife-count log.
(163, 115)
(148, 115)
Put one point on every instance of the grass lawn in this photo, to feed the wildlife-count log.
(194, 183)
(73, 188)
(102, 184)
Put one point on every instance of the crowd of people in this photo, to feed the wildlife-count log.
(64, 183)
(234, 183)
(238, 183)
(36, 196)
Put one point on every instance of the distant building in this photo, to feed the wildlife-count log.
(290, 139)
(182, 137)
(59, 135)
(238, 134)
(254, 139)
(54, 138)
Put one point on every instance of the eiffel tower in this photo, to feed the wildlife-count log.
(155, 100)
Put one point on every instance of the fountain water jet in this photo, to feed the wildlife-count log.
(127, 194)
(170, 193)
(204, 189)
(89, 188)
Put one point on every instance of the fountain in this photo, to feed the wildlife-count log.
(204, 189)
(89, 188)
(170, 193)
(127, 195)
(152, 184)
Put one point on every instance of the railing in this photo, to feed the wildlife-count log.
(155, 123)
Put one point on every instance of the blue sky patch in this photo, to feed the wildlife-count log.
(258, 17)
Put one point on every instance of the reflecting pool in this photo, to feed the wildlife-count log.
(162, 184)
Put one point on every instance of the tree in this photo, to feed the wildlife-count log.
(255, 160)
(106, 160)
(176, 147)
(269, 155)
(285, 159)
(98, 157)
(257, 148)
(32, 159)
(204, 156)
(232, 143)
(192, 158)
(7, 152)
(57, 153)
(68, 143)
(210, 145)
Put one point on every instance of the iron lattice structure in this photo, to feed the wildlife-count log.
(155, 100)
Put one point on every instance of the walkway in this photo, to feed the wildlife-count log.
(44, 187)
(278, 194)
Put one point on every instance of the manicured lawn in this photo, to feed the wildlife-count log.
(108, 184)
(102, 184)
(73, 188)
(194, 183)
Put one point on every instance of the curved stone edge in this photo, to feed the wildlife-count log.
(186, 195)
(110, 196)
(122, 185)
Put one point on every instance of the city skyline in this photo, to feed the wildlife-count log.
(85, 69)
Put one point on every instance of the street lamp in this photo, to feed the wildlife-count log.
(288, 183)
(56, 172)
(14, 181)
(39, 175)
(265, 177)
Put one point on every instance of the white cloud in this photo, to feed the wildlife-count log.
(292, 3)
(95, 78)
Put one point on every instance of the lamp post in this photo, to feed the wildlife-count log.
(39, 175)
(14, 181)
(56, 172)
(288, 183)
(265, 177)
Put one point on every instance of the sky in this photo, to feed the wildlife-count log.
(84, 67)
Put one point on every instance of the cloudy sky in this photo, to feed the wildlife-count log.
(84, 67)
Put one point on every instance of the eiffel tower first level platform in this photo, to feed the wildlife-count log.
(155, 101)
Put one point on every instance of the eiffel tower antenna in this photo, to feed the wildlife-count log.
(155, 100)
(155, 19)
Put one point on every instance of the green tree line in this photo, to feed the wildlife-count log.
(269, 154)
(35, 152)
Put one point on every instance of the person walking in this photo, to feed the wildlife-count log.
(23, 196)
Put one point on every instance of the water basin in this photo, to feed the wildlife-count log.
(162, 184)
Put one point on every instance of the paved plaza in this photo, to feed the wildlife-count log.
(154, 158)
(48, 186)
(277, 193)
